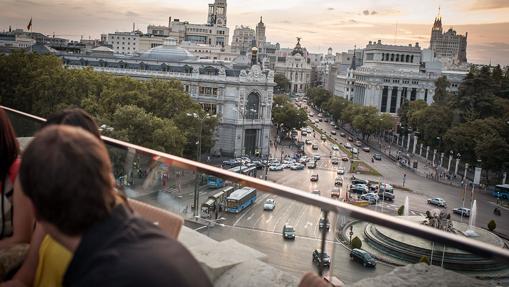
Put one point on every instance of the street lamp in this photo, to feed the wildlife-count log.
(458, 156)
(198, 156)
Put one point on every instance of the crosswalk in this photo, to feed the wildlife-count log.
(393, 207)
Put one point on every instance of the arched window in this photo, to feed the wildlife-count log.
(252, 106)
(392, 57)
(407, 58)
(412, 58)
(397, 57)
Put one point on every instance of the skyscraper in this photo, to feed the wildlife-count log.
(260, 33)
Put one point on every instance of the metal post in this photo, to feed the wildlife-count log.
(465, 174)
(242, 151)
(322, 248)
(198, 156)
(434, 156)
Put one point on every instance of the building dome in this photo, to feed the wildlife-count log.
(168, 52)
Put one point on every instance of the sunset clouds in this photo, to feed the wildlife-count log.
(321, 23)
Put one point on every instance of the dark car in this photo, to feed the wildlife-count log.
(359, 181)
(231, 163)
(377, 156)
(386, 195)
(362, 257)
(288, 232)
(317, 258)
(323, 224)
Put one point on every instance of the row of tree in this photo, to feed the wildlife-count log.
(285, 114)
(366, 120)
(473, 122)
(152, 113)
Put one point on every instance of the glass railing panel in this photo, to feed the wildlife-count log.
(199, 193)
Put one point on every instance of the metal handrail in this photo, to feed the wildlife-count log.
(482, 249)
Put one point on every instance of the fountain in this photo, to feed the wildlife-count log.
(406, 207)
(471, 222)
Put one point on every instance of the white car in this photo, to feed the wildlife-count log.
(437, 201)
(348, 145)
(335, 147)
(316, 157)
(278, 167)
(341, 170)
(269, 204)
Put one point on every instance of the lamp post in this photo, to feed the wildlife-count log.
(465, 174)
(434, 156)
(198, 156)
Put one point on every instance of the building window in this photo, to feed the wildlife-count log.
(413, 94)
(209, 108)
(394, 99)
(385, 92)
(369, 56)
(392, 57)
(208, 91)
(426, 95)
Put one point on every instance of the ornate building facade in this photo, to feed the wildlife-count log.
(241, 97)
(449, 45)
(296, 66)
(243, 40)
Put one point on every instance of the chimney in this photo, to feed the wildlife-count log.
(369, 43)
(417, 44)
(169, 22)
(379, 42)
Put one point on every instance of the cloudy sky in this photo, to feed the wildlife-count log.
(321, 24)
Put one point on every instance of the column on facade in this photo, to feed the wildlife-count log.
(398, 100)
(389, 99)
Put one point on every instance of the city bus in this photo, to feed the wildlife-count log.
(251, 171)
(501, 191)
(216, 200)
(214, 182)
(240, 199)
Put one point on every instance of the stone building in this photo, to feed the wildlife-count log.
(260, 34)
(391, 74)
(449, 45)
(241, 97)
(243, 40)
(295, 65)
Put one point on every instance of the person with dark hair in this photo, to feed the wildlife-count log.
(20, 219)
(47, 260)
(67, 175)
(74, 117)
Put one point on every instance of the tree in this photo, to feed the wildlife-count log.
(318, 96)
(282, 84)
(288, 115)
(492, 225)
(441, 94)
(356, 243)
(366, 121)
(336, 106)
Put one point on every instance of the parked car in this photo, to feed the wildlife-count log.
(348, 145)
(335, 160)
(335, 193)
(288, 232)
(350, 139)
(308, 141)
(358, 143)
(335, 147)
(231, 163)
(323, 224)
(385, 187)
(338, 181)
(355, 151)
(320, 120)
(359, 188)
(341, 170)
(366, 149)
(362, 257)
(377, 156)
(314, 177)
(386, 196)
(316, 157)
(359, 181)
(278, 167)
(311, 164)
(336, 128)
(317, 258)
(323, 137)
(297, 166)
(342, 135)
(462, 211)
(333, 132)
(303, 159)
(326, 120)
(344, 158)
(371, 197)
(315, 146)
(303, 133)
(269, 204)
(437, 201)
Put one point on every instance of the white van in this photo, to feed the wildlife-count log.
(355, 150)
